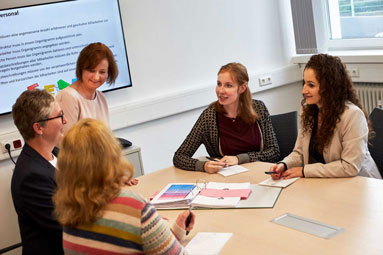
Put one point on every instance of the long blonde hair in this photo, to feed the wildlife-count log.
(90, 168)
(239, 74)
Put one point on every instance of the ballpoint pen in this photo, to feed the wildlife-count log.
(188, 219)
(213, 159)
(270, 172)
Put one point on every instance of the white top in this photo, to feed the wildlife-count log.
(76, 107)
(53, 161)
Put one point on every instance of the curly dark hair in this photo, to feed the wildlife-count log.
(335, 89)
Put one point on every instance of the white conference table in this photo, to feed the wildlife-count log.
(354, 204)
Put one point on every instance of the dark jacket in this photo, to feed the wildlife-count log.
(33, 185)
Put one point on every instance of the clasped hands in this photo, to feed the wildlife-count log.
(213, 166)
(281, 173)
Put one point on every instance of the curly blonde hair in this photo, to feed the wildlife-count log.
(89, 173)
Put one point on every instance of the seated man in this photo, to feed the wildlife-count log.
(40, 121)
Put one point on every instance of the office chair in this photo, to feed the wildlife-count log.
(376, 146)
(286, 129)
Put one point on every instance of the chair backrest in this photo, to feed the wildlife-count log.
(286, 129)
(376, 146)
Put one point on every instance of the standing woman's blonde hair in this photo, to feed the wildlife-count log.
(89, 173)
(239, 73)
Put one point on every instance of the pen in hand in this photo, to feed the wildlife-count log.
(213, 159)
(270, 172)
(188, 220)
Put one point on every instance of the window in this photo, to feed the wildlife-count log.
(338, 25)
(355, 19)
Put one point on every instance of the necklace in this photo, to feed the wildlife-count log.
(233, 119)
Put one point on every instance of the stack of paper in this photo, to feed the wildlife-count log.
(215, 195)
(215, 202)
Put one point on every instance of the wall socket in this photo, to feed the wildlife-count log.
(16, 144)
(265, 80)
(353, 71)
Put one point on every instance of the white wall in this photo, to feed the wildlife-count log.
(175, 49)
(160, 138)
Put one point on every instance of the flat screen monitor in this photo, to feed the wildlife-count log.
(40, 44)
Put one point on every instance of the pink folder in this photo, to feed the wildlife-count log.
(243, 193)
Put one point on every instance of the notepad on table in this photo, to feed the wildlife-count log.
(281, 183)
(231, 170)
(207, 243)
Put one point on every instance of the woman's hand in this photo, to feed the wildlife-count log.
(292, 173)
(212, 167)
(230, 160)
(278, 169)
(181, 220)
(129, 182)
(132, 182)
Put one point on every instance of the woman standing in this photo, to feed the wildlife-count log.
(99, 214)
(95, 65)
(235, 128)
(333, 138)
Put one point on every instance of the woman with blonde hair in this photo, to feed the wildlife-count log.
(98, 213)
(235, 129)
(333, 138)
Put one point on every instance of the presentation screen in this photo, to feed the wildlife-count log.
(40, 44)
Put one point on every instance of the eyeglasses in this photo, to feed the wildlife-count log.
(58, 116)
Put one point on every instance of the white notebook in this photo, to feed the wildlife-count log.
(231, 170)
(281, 183)
(207, 243)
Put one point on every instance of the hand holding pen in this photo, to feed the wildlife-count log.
(186, 220)
(276, 171)
(213, 165)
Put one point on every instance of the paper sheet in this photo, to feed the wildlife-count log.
(230, 170)
(242, 193)
(228, 185)
(215, 202)
(281, 183)
(207, 243)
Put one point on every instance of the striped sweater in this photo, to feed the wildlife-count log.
(129, 225)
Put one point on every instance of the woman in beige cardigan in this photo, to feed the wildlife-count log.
(334, 130)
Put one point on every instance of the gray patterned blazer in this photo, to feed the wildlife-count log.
(205, 131)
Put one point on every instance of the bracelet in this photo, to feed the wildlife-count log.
(303, 171)
(284, 164)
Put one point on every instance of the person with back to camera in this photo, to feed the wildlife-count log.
(234, 129)
(99, 214)
(95, 65)
(40, 121)
(334, 130)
